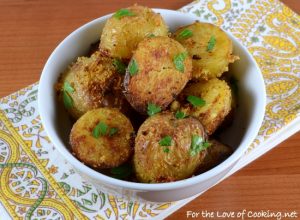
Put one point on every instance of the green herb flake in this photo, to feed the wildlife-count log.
(133, 67)
(152, 109)
(120, 66)
(196, 101)
(166, 141)
(122, 13)
(206, 144)
(100, 129)
(121, 172)
(198, 145)
(179, 61)
(211, 43)
(180, 115)
(151, 35)
(184, 34)
(113, 131)
(68, 88)
(166, 150)
(68, 101)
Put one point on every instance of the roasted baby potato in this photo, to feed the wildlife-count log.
(102, 138)
(216, 104)
(216, 154)
(137, 69)
(168, 149)
(127, 27)
(156, 74)
(90, 83)
(209, 47)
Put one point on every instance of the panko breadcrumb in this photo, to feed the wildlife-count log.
(94, 83)
(111, 148)
(218, 102)
(157, 159)
(158, 78)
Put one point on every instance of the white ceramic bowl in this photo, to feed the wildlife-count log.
(248, 118)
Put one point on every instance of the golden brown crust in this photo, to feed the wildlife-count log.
(217, 95)
(157, 80)
(95, 83)
(105, 151)
(207, 65)
(152, 163)
(120, 36)
(114, 97)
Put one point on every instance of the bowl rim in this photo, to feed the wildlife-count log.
(134, 185)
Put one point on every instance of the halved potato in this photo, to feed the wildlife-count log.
(127, 27)
(217, 97)
(157, 72)
(165, 148)
(209, 47)
(102, 138)
(90, 83)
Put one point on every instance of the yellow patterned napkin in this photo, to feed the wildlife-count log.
(37, 183)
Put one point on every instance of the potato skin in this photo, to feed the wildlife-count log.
(104, 151)
(216, 154)
(207, 65)
(120, 36)
(157, 80)
(217, 95)
(95, 83)
(152, 164)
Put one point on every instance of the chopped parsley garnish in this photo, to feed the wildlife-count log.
(151, 35)
(186, 33)
(113, 131)
(179, 61)
(133, 67)
(121, 172)
(180, 115)
(152, 109)
(166, 150)
(196, 101)
(166, 141)
(100, 129)
(198, 145)
(67, 99)
(68, 88)
(211, 43)
(122, 13)
(120, 66)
